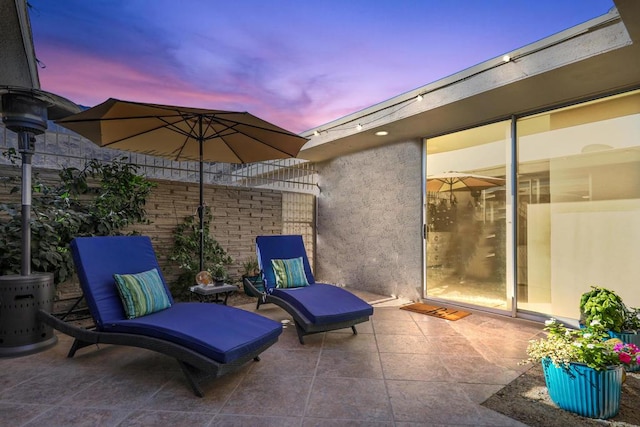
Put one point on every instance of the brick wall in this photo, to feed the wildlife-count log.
(239, 214)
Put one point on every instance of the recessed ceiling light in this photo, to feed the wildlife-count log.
(382, 133)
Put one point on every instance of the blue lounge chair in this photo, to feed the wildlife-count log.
(207, 340)
(315, 307)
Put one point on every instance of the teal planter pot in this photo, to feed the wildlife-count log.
(583, 390)
(628, 339)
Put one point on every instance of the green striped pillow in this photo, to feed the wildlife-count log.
(289, 273)
(142, 293)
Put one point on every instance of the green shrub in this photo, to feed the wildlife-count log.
(186, 254)
(98, 200)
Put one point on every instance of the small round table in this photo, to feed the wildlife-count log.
(213, 293)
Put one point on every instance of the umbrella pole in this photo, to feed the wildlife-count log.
(201, 206)
(201, 216)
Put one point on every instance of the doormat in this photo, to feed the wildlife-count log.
(435, 311)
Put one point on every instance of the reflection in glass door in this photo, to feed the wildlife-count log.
(466, 217)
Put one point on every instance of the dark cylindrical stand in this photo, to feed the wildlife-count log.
(20, 299)
(22, 296)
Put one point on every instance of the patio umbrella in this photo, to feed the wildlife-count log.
(184, 134)
(452, 181)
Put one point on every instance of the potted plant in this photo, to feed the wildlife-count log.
(251, 279)
(605, 305)
(186, 254)
(250, 267)
(219, 273)
(583, 369)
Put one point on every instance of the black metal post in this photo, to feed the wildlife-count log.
(201, 206)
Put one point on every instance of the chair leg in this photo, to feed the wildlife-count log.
(300, 332)
(190, 373)
(77, 345)
(353, 328)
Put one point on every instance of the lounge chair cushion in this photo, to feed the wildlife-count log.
(289, 273)
(142, 293)
(222, 333)
(324, 304)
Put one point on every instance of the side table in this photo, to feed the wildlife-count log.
(213, 293)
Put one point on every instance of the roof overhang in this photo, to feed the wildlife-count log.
(598, 57)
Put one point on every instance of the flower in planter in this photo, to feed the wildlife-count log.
(590, 346)
(629, 354)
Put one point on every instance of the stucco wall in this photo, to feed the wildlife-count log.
(369, 231)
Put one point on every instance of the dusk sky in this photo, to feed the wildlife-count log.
(296, 63)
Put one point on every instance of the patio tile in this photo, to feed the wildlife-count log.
(269, 396)
(516, 365)
(14, 374)
(414, 367)
(504, 346)
(490, 327)
(176, 395)
(63, 416)
(289, 339)
(424, 402)
(490, 418)
(254, 421)
(362, 328)
(476, 370)
(415, 344)
(128, 389)
(349, 398)
(336, 363)
(20, 413)
(434, 327)
(401, 369)
(167, 418)
(350, 342)
(396, 327)
(51, 387)
(286, 362)
(392, 313)
(454, 344)
(478, 393)
(317, 422)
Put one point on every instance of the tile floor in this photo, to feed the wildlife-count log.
(402, 369)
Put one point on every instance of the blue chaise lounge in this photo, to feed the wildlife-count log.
(207, 340)
(289, 283)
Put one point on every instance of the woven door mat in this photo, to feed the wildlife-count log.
(435, 311)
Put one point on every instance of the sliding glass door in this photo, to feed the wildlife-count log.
(466, 217)
(579, 204)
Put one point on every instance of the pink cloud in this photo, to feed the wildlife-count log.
(89, 80)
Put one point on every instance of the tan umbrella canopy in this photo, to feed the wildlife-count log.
(452, 181)
(184, 134)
